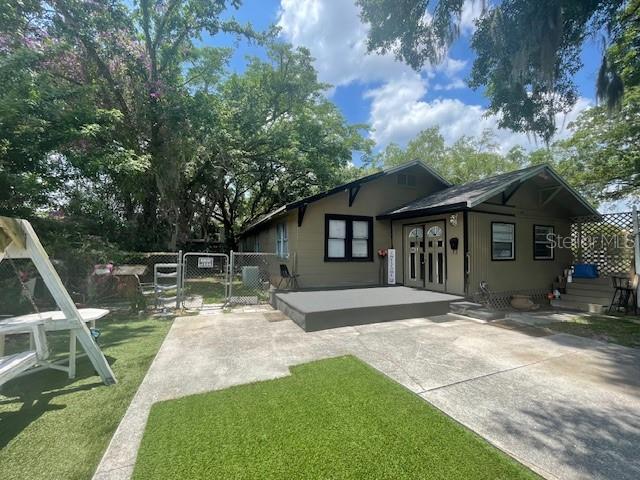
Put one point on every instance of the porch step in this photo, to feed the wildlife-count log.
(589, 287)
(597, 298)
(475, 310)
(594, 281)
(578, 305)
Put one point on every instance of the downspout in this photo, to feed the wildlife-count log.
(467, 261)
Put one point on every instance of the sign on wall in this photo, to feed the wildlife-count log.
(205, 262)
(391, 266)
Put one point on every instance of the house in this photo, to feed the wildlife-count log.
(447, 237)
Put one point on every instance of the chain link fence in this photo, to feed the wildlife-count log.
(126, 282)
(204, 280)
(251, 276)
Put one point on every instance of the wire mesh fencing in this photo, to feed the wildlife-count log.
(251, 276)
(204, 280)
(128, 280)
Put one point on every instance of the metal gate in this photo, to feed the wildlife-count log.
(250, 277)
(205, 280)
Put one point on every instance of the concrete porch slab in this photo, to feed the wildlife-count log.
(322, 309)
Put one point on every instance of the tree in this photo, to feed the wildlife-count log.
(115, 113)
(275, 138)
(527, 52)
(602, 157)
(467, 159)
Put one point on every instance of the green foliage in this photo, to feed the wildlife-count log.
(602, 157)
(527, 52)
(115, 113)
(465, 160)
(333, 418)
(621, 64)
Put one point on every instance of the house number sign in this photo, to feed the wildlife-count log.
(205, 262)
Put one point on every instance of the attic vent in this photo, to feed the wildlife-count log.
(404, 179)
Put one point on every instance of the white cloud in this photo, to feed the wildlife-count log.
(454, 84)
(399, 113)
(335, 35)
(471, 11)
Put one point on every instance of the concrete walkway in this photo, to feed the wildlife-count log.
(566, 406)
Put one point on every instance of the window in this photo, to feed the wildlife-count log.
(542, 242)
(282, 241)
(348, 238)
(503, 241)
(256, 244)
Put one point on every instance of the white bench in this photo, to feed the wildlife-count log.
(14, 365)
(53, 321)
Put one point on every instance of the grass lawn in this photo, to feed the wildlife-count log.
(55, 428)
(621, 330)
(212, 291)
(335, 418)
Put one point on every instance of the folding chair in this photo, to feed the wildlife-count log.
(291, 279)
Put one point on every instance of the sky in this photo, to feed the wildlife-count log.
(394, 100)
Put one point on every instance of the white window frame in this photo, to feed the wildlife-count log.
(282, 240)
(550, 230)
(513, 242)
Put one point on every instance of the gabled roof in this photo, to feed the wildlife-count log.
(345, 186)
(472, 194)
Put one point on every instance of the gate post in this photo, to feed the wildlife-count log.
(179, 280)
(230, 276)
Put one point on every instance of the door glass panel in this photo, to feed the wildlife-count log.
(440, 268)
(434, 231)
(430, 267)
(412, 265)
(422, 266)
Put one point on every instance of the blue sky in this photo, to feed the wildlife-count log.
(394, 100)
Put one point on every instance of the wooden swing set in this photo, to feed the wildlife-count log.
(18, 240)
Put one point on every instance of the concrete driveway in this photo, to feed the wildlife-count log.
(568, 407)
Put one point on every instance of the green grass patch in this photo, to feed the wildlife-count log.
(335, 418)
(212, 291)
(55, 428)
(622, 330)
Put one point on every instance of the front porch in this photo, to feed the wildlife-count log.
(322, 309)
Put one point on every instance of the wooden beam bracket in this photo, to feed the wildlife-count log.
(353, 193)
(301, 211)
(510, 192)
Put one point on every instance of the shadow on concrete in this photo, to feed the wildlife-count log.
(599, 443)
